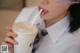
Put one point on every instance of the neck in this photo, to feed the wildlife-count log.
(54, 20)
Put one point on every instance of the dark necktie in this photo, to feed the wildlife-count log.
(39, 36)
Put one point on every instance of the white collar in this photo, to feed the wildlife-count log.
(55, 31)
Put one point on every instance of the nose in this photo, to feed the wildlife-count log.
(44, 2)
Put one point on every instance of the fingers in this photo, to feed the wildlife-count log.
(10, 38)
(11, 34)
(10, 41)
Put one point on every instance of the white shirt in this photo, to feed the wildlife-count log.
(59, 39)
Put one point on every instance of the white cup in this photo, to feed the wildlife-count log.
(26, 35)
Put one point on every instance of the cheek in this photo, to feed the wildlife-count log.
(54, 12)
(55, 9)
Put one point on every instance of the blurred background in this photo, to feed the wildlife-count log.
(9, 9)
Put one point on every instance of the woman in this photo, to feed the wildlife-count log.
(62, 20)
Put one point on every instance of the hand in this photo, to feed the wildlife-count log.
(9, 40)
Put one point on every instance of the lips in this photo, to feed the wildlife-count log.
(44, 11)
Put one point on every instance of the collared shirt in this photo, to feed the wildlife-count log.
(59, 39)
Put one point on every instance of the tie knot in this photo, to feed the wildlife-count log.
(44, 32)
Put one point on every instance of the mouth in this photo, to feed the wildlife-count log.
(44, 12)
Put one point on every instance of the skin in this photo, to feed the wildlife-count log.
(57, 9)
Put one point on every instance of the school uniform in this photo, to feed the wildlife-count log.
(58, 39)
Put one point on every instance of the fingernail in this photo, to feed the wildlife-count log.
(16, 43)
(16, 35)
